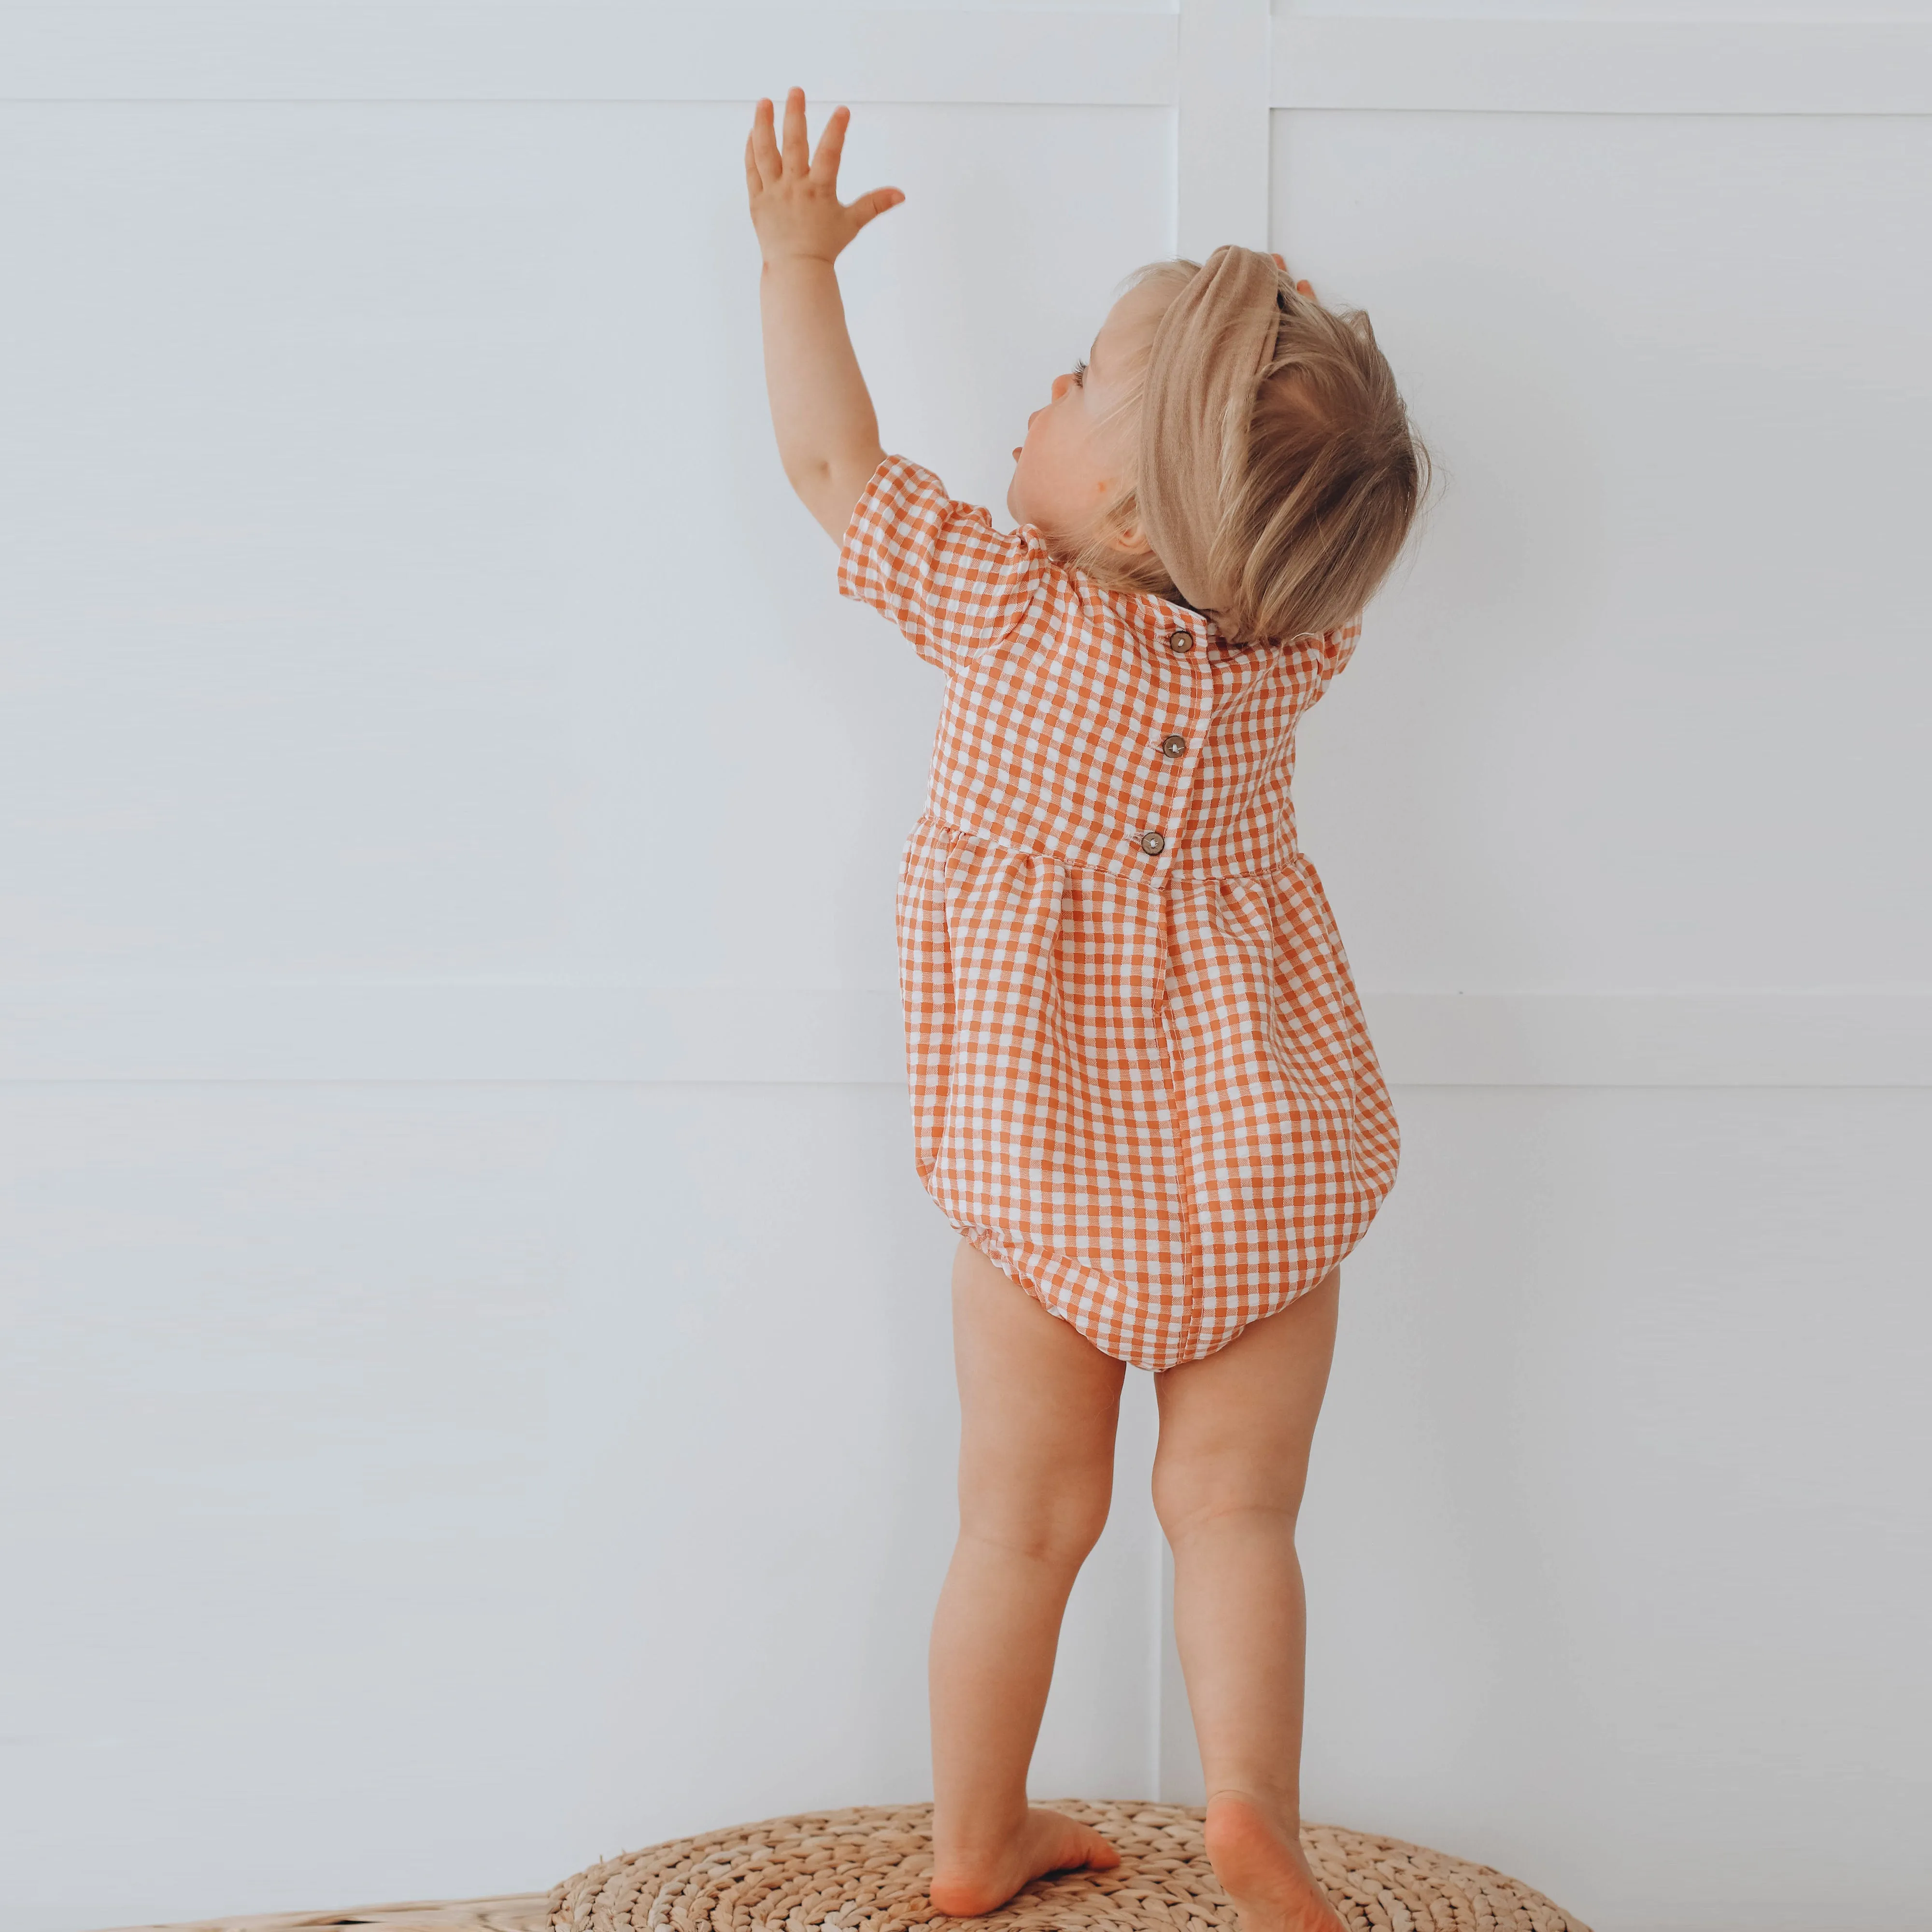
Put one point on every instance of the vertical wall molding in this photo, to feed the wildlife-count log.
(1221, 100)
(1223, 81)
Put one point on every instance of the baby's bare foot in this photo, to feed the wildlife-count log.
(965, 1885)
(1264, 1871)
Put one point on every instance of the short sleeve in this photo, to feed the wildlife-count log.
(937, 567)
(1333, 649)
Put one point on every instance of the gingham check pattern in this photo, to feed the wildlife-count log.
(1140, 1082)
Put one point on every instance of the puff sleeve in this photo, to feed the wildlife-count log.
(1331, 652)
(936, 567)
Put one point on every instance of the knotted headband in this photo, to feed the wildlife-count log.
(1210, 347)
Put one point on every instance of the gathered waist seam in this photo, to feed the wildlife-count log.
(1292, 857)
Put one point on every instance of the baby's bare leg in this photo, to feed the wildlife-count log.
(1235, 1429)
(1038, 1404)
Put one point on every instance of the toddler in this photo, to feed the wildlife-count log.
(1142, 1091)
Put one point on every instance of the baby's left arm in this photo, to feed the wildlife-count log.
(828, 435)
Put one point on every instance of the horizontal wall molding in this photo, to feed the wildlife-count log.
(1659, 1039)
(563, 50)
(1603, 67)
(554, 1032)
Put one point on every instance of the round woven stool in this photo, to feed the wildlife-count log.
(866, 1869)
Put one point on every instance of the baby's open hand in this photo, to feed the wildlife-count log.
(795, 204)
(1302, 286)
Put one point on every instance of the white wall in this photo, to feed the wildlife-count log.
(475, 1389)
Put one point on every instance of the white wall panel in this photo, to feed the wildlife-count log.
(445, 634)
(1644, 711)
(1615, 1535)
(412, 1491)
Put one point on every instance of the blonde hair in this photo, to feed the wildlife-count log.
(1331, 482)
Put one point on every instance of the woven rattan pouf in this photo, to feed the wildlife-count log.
(865, 1870)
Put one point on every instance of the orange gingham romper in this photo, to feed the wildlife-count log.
(1140, 1082)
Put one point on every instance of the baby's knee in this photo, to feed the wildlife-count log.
(1192, 1489)
(1058, 1530)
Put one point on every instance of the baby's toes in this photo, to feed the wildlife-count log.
(1064, 1844)
(1096, 1853)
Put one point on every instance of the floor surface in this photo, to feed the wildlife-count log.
(530, 1912)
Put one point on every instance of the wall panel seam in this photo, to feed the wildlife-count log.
(316, 51)
(560, 1031)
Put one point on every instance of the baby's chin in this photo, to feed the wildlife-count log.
(1019, 505)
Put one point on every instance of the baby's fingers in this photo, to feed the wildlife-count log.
(1302, 287)
(797, 159)
(863, 210)
(831, 145)
(755, 182)
(764, 144)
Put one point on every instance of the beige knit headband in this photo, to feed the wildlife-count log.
(1211, 344)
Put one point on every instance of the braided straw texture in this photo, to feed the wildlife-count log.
(866, 1869)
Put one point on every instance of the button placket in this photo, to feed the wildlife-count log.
(1174, 745)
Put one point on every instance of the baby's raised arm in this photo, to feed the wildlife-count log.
(828, 435)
